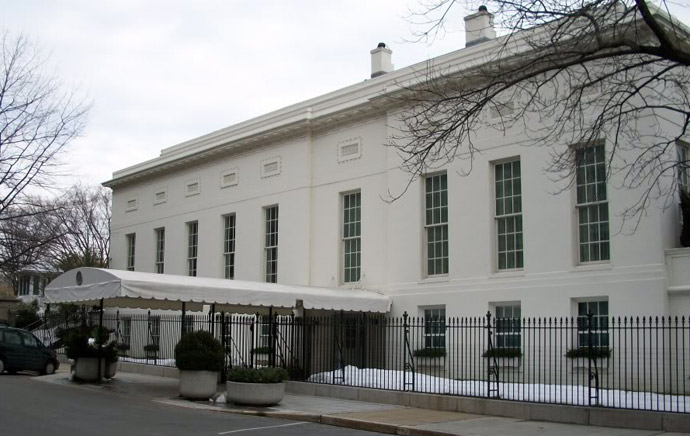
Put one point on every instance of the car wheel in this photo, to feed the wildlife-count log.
(49, 369)
(2, 366)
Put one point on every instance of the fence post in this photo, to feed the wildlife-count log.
(592, 374)
(492, 366)
(407, 351)
(227, 358)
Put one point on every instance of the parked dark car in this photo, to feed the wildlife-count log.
(20, 350)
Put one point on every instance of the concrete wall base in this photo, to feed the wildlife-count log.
(138, 368)
(621, 418)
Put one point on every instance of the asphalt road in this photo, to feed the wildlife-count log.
(32, 408)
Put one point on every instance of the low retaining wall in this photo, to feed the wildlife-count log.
(599, 416)
(139, 368)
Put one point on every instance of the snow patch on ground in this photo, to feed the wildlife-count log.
(530, 392)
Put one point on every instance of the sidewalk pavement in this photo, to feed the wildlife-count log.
(383, 418)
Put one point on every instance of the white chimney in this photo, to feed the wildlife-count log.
(381, 60)
(479, 27)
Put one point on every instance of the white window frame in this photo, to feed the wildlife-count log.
(351, 236)
(234, 172)
(439, 222)
(271, 244)
(159, 263)
(229, 243)
(24, 285)
(131, 240)
(595, 209)
(683, 150)
(126, 330)
(508, 325)
(434, 334)
(601, 334)
(271, 167)
(508, 222)
(192, 248)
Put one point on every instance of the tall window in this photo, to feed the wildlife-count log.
(271, 244)
(192, 247)
(436, 224)
(131, 245)
(160, 250)
(229, 246)
(684, 166)
(352, 243)
(155, 330)
(508, 332)
(435, 328)
(592, 204)
(508, 215)
(126, 331)
(36, 285)
(24, 285)
(600, 323)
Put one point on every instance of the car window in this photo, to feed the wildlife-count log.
(12, 337)
(29, 340)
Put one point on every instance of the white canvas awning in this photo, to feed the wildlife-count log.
(133, 289)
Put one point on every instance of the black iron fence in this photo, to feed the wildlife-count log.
(618, 362)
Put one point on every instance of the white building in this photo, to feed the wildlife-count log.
(296, 196)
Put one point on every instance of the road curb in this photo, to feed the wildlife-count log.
(333, 420)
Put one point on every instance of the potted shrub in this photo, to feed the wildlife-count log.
(199, 357)
(86, 346)
(504, 357)
(581, 357)
(256, 386)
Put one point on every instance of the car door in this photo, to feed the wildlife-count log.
(33, 354)
(13, 350)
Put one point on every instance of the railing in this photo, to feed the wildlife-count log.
(617, 362)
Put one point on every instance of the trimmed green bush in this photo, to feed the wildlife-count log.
(430, 352)
(257, 375)
(584, 352)
(76, 341)
(503, 352)
(261, 350)
(199, 351)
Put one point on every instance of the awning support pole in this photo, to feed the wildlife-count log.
(184, 319)
(100, 342)
(211, 315)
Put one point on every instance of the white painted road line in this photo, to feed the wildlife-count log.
(262, 428)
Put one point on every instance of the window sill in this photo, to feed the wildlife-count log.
(435, 279)
(507, 274)
(593, 266)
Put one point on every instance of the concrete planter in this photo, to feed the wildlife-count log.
(198, 385)
(254, 394)
(86, 369)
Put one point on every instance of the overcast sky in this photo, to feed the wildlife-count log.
(160, 72)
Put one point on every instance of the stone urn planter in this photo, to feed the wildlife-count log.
(84, 345)
(198, 385)
(254, 394)
(256, 386)
(199, 357)
(86, 369)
